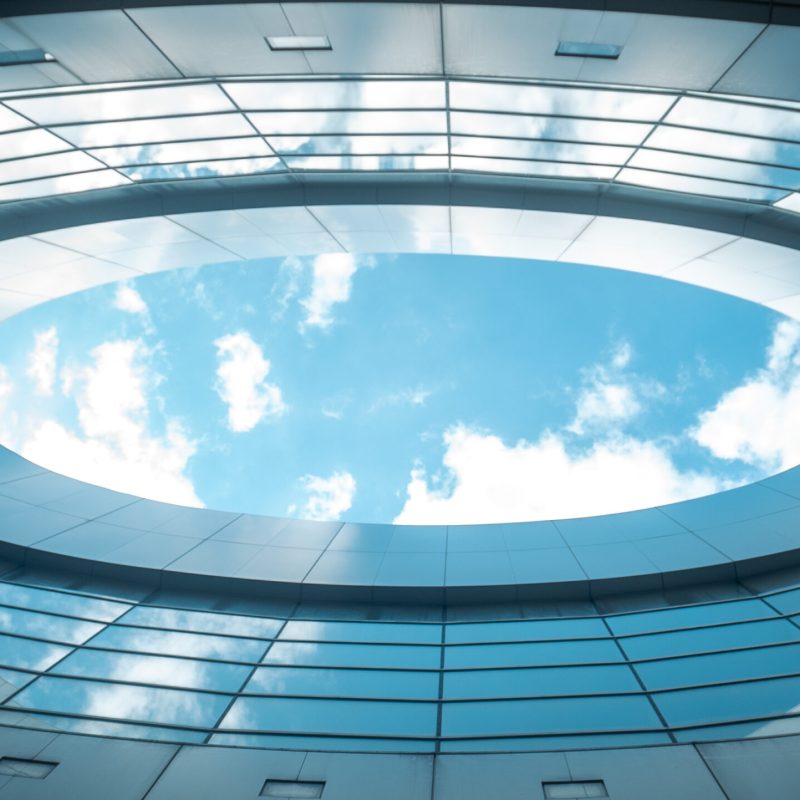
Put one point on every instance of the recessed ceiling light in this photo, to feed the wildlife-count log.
(10, 58)
(588, 50)
(298, 42)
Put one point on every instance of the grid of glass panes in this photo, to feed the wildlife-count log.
(71, 140)
(312, 677)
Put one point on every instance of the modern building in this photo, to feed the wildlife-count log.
(151, 651)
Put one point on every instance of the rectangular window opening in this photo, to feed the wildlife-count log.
(26, 768)
(299, 43)
(293, 789)
(588, 50)
(573, 790)
(12, 58)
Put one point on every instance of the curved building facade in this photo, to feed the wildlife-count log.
(153, 651)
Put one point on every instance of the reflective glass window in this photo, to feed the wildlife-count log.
(716, 168)
(738, 665)
(108, 134)
(323, 743)
(30, 143)
(43, 166)
(552, 715)
(353, 655)
(541, 150)
(29, 654)
(742, 730)
(202, 622)
(300, 95)
(203, 169)
(730, 702)
(531, 654)
(172, 152)
(137, 703)
(355, 717)
(180, 672)
(724, 145)
(526, 630)
(60, 602)
(744, 634)
(689, 616)
(226, 648)
(123, 104)
(360, 145)
(292, 123)
(582, 742)
(66, 184)
(393, 632)
(366, 162)
(539, 682)
(557, 100)
(344, 683)
(574, 130)
(705, 186)
(786, 602)
(722, 115)
(46, 626)
(509, 166)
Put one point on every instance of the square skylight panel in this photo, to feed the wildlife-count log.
(588, 50)
(298, 42)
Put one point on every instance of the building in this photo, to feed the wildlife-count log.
(149, 651)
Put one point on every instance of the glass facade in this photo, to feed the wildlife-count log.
(395, 679)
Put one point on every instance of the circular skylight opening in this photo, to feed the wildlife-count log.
(419, 389)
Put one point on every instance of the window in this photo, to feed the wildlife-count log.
(305, 789)
(573, 790)
(27, 768)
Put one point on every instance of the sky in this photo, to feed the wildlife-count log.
(417, 389)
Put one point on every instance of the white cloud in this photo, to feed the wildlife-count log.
(416, 396)
(115, 447)
(129, 300)
(42, 361)
(242, 382)
(328, 498)
(487, 480)
(758, 422)
(332, 282)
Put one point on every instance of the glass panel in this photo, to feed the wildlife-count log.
(576, 130)
(499, 717)
(678, 183)
(743, 730)
(30, 143)
(310, 122)
(344, 683)
(368, 145)
(519, 98)
(516, 655)
(539, 682)
(103, 134)
(739, 665)
(378, 163)
(182, 151)
(65, 185)
(708, 639)
(786, 602)
(40, 166)
(61, 602)
(29, 654)
(353, 655)
(355, 717)
(533, 167)
(203, 169)
(301, 95)
(180, 672)
(180, 644)
(140, 703)
(689, 616)
(199, 621)
(10, 121)
(697, 112)
(129, 104)
(556, 151)
(324, 743)
(756, 699)
(724, 145)
(395, 632)
(716, 168)
(527, 630)
(586, 741)
(61, 629)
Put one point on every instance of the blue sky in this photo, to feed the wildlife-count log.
(420, 389)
